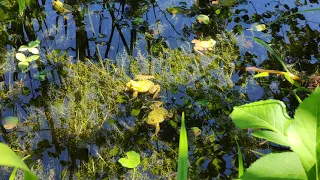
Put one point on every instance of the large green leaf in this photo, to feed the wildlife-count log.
(11, 159)
(280, 166)
(270, 114)
(304, 133)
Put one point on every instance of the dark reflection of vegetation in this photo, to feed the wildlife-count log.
(85, 114)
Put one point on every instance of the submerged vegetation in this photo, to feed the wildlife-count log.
(85, 85)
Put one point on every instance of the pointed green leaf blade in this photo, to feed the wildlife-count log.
(304, 132)
(183, 151)
(280, 166)
(263, 74)
(22, 5)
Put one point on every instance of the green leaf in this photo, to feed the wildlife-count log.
(11, 159)
(288, 77)
(200, 161)
(41, 76)
(21, 57)
(22, 5)
(132, 160)
(137, 21)
(183, 152)
(218, 11)
(304, 133)
(32, 58)
(114, 151)
(263, 74)
(13, 173)
(270, 114)
(121, 99)
(135, 112)
(33, 44)
(34, 50)
(23, 65)
(10, 122)
(23, 48)
(203, 19)
(271, 136)
(212, 137)
(280, 166)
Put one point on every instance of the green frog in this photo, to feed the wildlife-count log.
(142, 84)
(61, 8)
(157, 115)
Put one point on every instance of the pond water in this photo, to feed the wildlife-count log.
(76, 117)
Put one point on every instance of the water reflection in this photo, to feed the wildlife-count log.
(79, 121)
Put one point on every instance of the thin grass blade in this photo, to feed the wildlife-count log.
(240, 161)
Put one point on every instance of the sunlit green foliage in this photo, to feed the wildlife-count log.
(300, 134)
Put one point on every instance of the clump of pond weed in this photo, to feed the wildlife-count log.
(181, 66)
(88, 97)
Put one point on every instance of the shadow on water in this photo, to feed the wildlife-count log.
(79, 119)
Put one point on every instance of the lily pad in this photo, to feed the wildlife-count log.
(23, 65)
(21, 57)
(132, 160)
(10, 122)
(32, 58)
(34, 50)
(23, 48)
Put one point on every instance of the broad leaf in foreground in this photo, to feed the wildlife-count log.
(11, 159)
(270, 115)
(280, 166)
(304, 133)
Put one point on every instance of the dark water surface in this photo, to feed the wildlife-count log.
(140, 37)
